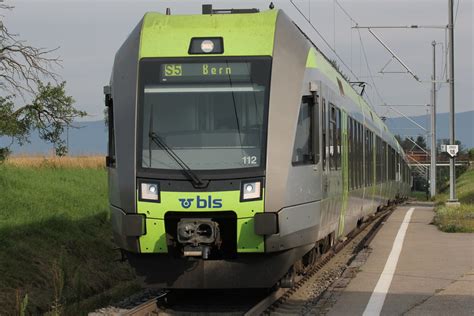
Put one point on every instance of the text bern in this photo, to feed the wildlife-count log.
(213, 71)
(200, 202)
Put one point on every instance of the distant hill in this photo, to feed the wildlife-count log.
(91, 137)
(464, 126)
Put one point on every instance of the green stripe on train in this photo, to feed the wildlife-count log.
(154, 241)
(243, 34)
(311, 60)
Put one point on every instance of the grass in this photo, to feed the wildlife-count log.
(56, 247)
(457, 219)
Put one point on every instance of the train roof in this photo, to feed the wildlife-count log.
(249, 34)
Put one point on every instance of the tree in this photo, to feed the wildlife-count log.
(49, 109)
(409, 143)
(421, 141)
(405, 143)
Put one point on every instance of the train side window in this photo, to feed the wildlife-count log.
(377, 159)
(349, 131)
(378, 145)
(303, 149)
(389, 163)
(338, 139)
(357, 155)
(392, 165)
(334, 137)
(371, 168)
(110, 160)
(407, 173)
(331, 123)
(369, 158)
(366, 146)
(402, 171)
(324, 128)
(315, 128)
(372, 157)
(407, 179)
(398, 167)
(352, 156)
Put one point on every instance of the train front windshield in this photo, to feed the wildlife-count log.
(212, 115)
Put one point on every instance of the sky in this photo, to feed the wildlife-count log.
(88, 33)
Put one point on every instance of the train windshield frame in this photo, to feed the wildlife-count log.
(211, 112)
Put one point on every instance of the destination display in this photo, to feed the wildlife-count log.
(205, 72)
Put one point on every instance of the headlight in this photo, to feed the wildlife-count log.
(251, 191)
(149, 191)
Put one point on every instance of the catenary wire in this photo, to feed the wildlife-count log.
(324, 40)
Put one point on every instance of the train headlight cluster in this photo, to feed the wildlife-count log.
(149, 191)
(251, 191)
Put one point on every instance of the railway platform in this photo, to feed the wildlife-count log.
(410, 268)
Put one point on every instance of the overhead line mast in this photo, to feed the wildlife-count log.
(433, 127)
(452, 167)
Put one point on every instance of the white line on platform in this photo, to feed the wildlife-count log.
(374, 307)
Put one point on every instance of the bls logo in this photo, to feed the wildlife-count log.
(202, 202)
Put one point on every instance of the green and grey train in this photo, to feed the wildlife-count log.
(237, 152)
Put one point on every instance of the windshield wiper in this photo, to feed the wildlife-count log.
(197, 182)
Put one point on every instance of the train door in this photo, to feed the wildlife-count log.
(316, 101)
(323, 132)
(304, 178)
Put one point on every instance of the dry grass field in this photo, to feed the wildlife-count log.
(41, 161)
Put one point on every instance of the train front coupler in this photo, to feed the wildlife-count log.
(198, 236)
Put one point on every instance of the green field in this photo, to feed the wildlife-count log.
(56, 250)
(457, 219)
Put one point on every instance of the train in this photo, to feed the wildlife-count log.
(237, 152)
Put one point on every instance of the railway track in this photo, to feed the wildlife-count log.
(299, 299)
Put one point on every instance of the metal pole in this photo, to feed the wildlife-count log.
(433, 127)
(452, 168)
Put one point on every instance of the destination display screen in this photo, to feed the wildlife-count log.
(205, 72)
